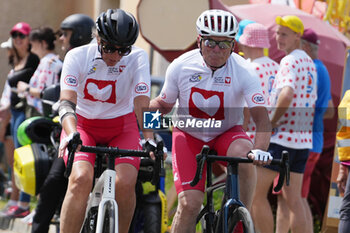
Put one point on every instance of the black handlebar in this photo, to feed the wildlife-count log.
(114, 151)
(204, 156)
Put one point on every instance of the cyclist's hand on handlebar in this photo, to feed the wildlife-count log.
(64, 143)
(260, 157)
(150, 145)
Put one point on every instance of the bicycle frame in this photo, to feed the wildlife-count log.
(103, 193)
(105, 185)
(231, 191)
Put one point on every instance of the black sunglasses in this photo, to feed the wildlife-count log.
(14, 35)
(108, 48)
(222, 44)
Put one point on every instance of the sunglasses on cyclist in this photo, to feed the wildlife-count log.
(14, 35)
(123, 51)
(225, 44)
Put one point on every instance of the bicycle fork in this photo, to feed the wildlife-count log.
(232, 194)
(107, 180)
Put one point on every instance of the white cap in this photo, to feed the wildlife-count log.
(7, 44)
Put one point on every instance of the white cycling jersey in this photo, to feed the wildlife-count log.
(214, 99)
(105, 92)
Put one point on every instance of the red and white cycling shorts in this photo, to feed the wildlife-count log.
(185, 148)
(121, 132)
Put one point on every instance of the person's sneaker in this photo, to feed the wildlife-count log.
(29, 218)
(6, 208)
(17, 212)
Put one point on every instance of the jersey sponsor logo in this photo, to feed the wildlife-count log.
(92, 70)
(195, 78)
(113, 70)
(219, 80)
(141, 88)
(222, 80)
(310, 83)
(71, 80)
(206, 104)
(258, 98)
(100, 90)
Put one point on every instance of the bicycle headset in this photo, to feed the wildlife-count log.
(117, 27)
(217, 23)
(81, 26)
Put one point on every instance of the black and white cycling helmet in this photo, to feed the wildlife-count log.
(217, 23)
(117, 27)
(82, 26)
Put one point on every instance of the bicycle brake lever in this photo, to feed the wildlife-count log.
(200, 159)
(158, 163)
(72, 147)
(285, 159)
(284, 171)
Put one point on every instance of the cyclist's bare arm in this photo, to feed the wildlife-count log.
(262, 136)
(283, 102)
(158, 103)
(263, 127)
(69, 122)
(141, 104)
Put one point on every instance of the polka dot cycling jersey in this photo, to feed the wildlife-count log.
(297, 70)
(45, 75)
(266, 69)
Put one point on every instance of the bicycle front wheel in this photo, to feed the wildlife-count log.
(109, 218)
(152, 214)
(240, 218)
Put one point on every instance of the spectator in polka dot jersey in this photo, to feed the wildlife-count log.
(47, 73)
(292, 98)
(252, 43)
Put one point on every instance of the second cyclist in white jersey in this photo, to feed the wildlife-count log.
(212, 85)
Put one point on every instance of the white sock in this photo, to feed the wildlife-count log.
(12, 202)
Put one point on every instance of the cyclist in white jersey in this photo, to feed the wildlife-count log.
(103, 86)
(212, 85)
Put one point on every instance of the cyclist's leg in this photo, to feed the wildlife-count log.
(185, 148)
(127, 171)
(79, 187)
(51, 193)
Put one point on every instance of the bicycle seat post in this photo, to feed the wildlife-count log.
(232, 181)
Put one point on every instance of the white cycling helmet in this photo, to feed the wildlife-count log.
(217, 23)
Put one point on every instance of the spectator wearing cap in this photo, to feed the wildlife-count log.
(293, 96)
(252, 43)
(324, 109)
(24, 67)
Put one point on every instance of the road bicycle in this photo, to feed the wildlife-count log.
(102, 209)
(232, 210)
